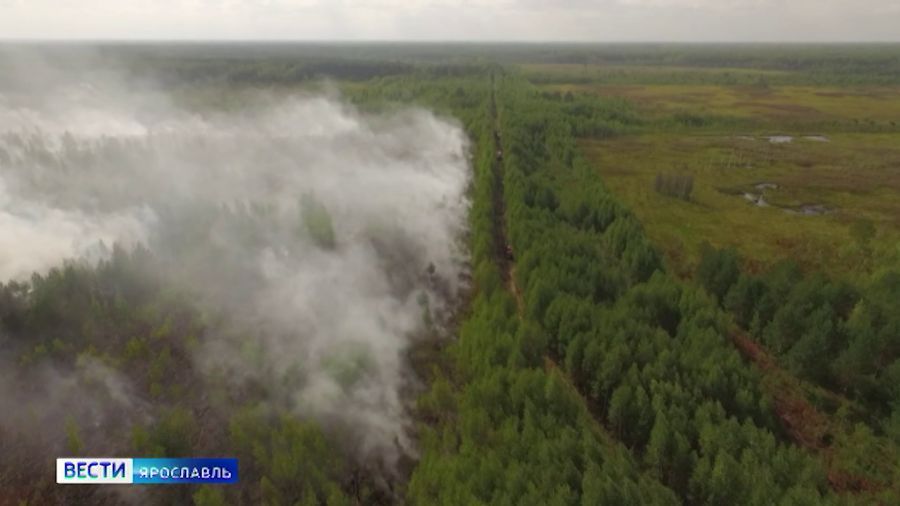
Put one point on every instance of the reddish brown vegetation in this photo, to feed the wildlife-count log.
(806, 425)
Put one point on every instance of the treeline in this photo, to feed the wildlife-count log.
(595, 116)
(457, 97)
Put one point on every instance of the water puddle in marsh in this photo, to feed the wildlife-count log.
(758, 195)
(757, 199)
(783, 139)
(809, 210)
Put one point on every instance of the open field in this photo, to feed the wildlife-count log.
(852, 177)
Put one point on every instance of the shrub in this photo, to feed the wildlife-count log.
(674, 185)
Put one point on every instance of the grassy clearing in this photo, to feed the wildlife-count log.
(854, 176)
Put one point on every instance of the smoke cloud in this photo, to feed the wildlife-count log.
(328, 238)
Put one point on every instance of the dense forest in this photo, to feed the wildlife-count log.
(604, 334)
(574, 368)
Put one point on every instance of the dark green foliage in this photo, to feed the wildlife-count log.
(171, 436)
(743, 297)
(295, 462)
(512, 432)
(718, 270)
(826, 330)
(209, 495)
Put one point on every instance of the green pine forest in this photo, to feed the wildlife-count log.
(589, 366)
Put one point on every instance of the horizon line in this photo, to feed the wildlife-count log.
(107, 40)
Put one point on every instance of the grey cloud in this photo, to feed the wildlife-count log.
(589, 20)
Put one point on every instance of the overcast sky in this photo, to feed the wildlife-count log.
(534, 20)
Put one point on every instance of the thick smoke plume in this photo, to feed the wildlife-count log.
(329, 238)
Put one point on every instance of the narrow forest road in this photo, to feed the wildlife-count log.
(505, 259)
(503, 253)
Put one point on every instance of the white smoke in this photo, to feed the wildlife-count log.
(91, 393)
(323, 233)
